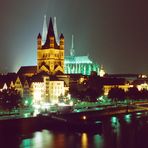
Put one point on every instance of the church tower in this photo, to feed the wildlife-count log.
(44, 32)
(50, 55)
(72, 51)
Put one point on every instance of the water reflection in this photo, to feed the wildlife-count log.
(84, 140)
(127, 118)
(117, 132)
(98, 141)
(115, 122)
(39, 139)
(48, 139)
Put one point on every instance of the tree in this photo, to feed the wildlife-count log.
(94, 87)
(144, 94)
(89, 90)
(116, 94)
(10, 99)
(133, 93)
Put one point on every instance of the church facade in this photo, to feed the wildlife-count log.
(79, 64)
(50, 55)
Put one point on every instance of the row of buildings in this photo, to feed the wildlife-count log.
(43, 87)
(40, 88)
(55, 73)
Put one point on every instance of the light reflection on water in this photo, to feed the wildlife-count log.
(84, 140)
(47, 139)
(98, 141)
(120, 132)
(38, 140)
(127, 118)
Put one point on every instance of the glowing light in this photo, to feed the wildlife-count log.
(38, 92)
(114, 119)
(84, 140)
(138, 113)
(115, 122)
(98, 122)
(36, 112)
(26, 115)
(127, 118)
(102, 72)
(80, 64)
(71, 103)
(84, 117)
(45, 106)
(142, 86)
(26, 102)
(69, 96)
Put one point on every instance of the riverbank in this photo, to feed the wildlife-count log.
(80, 121)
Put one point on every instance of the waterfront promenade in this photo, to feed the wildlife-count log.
(81, 120)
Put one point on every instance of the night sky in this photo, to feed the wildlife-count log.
(112, 32)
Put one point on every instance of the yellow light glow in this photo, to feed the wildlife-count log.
(84, 140)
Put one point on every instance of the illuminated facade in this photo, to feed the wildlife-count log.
(141, 83)
(38, 92)
(107, 88)
(47, 90)
(50, 55)
(79, 64)
(56, 90)
(102, 72)
(19, 86)
(70, 64)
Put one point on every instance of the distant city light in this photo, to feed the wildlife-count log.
(84, 117)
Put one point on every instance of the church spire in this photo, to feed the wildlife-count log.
(50, 32)
(44, 32)
(72, 51)
(55, 31)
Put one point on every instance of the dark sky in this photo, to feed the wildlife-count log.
(112, 32)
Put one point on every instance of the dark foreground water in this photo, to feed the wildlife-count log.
(124, 131)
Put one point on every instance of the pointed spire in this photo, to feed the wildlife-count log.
(39, 41)
(55, 31)
(50, 36)
(72, 51)
(61, 36)
(50, 29)
(39, 36)
(72, 42)
(44, 32)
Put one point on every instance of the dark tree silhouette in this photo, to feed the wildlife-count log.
(133, 93)
(10, 98)
(90, 90)
(94, 87)
(144, 94)
(117, 94)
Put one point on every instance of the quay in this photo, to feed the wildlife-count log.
(79, 121)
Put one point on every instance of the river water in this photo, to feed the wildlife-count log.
(124, 131)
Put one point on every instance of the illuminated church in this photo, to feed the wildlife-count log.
(79, 64)
(71, 64)
(45, 81)
(50, 53)
(51, 59)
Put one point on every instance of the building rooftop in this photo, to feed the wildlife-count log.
(27, 69)
(77, 59)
